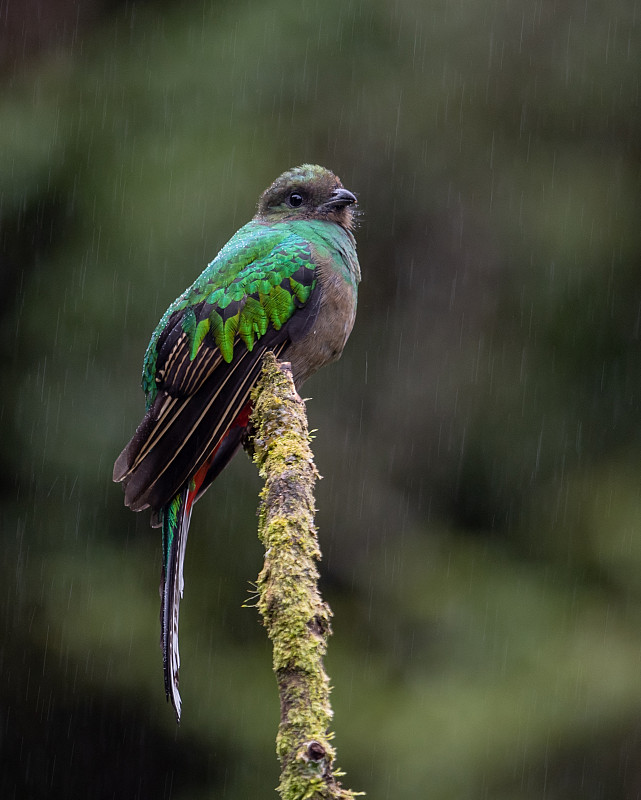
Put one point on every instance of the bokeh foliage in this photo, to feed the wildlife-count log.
(480, 514)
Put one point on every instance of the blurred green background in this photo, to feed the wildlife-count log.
(480, 514)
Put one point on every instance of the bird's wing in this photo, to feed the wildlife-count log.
(205, 357)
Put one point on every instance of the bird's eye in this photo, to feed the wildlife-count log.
(295, 200)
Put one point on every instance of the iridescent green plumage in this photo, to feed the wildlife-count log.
(256, 268)
(284, 282)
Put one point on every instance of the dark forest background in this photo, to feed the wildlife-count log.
(480, 513)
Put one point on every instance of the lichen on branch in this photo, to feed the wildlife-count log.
(293, 612)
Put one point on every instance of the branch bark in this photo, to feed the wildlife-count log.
(293, 612)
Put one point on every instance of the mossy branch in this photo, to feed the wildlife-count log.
(296, 618)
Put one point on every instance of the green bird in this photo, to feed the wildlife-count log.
(285, 282)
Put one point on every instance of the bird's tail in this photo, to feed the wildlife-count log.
(174, 518)
(175, 526)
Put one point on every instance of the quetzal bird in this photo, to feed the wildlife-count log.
(285, 282)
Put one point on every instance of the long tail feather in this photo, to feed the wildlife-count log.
(175, 526)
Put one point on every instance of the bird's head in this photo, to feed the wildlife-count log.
(306, 193)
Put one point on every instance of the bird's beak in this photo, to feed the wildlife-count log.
(339, 199)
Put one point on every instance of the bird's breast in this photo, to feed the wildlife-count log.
(325, 340)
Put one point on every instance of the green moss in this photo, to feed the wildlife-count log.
(296, 619)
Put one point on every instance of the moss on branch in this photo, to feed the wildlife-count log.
(294, 614)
